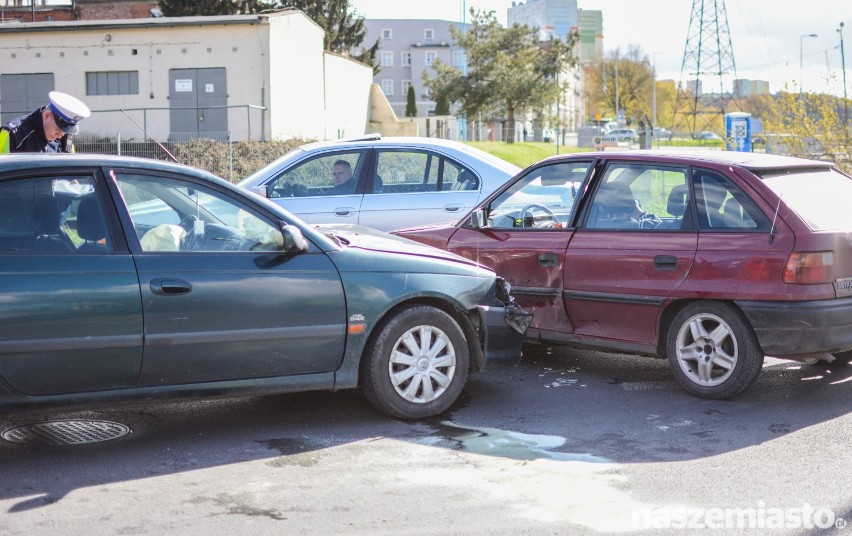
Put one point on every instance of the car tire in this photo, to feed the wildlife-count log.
(713, 351)
(416, 364)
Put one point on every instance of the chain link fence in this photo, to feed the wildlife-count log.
(227, 159)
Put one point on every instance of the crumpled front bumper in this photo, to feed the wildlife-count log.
(504, 327)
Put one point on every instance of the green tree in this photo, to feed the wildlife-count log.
(623, 80)
(187, 8)
(411, 103)
(508, 70)
(442, 105)
(809, 125)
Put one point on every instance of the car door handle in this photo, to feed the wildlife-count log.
(170, 287)
(665, 262)
(548, 259)
(344, 211)
(453, 207)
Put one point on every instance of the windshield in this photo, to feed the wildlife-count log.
(819, 196)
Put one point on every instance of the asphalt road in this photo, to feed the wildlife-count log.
(566, 442)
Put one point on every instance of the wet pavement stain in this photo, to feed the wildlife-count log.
(503, 443)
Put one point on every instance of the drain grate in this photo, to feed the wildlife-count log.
(65, 432)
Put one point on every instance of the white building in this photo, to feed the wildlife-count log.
(244, 76)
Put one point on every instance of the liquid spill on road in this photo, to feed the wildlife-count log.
(503, 443)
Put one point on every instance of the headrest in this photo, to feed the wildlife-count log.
(677, 200)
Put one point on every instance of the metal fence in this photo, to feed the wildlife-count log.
(231, 160)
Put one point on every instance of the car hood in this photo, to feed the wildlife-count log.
(366, 238)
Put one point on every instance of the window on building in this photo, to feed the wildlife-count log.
(405, 58)
(387, 58)
(387, 34)
(458, 58)
(405, 85)
(428, 34)
(387, 87)
(430, 58)
(112, 83)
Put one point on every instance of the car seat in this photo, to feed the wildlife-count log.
(90, 225)
(48, 234)
(614, 207)
(466, 181)
(678, 206)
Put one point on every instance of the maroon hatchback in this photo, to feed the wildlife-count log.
(711, 259)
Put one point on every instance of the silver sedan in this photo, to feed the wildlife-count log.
(383, 183)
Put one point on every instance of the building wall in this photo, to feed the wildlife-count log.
(296, 83)
(553, 18)
(591, 35)
(274, 61)
(410, 36)
(348, 85)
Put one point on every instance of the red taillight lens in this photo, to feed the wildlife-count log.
(809, 268)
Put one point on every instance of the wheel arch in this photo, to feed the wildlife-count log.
(665, 321)
(468, 321)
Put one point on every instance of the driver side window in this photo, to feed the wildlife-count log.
(175, 216)
(543, 199)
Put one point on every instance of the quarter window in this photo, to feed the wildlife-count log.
(722, 206)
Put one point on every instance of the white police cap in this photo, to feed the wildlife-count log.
(67, 111)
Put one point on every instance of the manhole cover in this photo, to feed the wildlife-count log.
(65, 432)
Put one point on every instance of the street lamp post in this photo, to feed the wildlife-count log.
(801, 64)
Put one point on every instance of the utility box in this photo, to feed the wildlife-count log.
(738, 131)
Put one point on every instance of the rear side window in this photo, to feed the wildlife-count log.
(722, 206)
(52, 215)
(819, 196)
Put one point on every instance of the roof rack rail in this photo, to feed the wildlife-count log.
(366, 137)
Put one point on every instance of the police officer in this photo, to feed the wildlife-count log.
(46, 130)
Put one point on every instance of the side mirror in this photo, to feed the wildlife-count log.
(262, 190)
(478, 219)
(294, 241)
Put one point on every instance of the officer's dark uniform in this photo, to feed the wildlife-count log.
(26, 135)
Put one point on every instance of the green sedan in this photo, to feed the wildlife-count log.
(134, 280)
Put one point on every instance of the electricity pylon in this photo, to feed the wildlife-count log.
(708, 63)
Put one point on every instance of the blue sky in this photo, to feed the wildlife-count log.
(765, 34)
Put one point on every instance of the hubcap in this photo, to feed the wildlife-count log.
(422, 364)
(706, 350)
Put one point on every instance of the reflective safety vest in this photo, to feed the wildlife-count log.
(4, 141)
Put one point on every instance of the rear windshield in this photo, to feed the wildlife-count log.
(820, 196)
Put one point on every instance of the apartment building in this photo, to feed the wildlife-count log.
(407, 49)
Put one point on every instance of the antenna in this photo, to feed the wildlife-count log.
(774, 218)
(163, 147)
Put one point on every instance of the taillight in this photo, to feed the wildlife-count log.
(809, 268)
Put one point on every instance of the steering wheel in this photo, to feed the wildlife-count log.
(649, 221)
(526, 213)
(190, 241)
